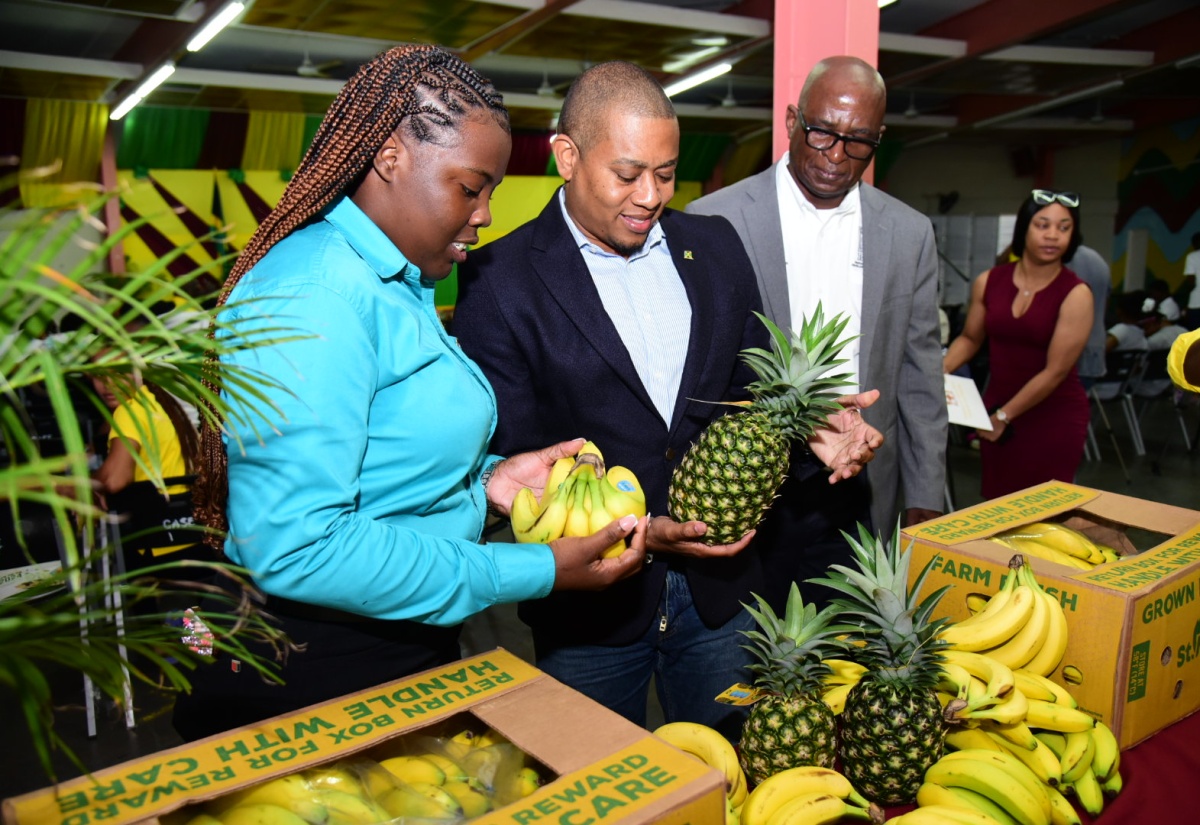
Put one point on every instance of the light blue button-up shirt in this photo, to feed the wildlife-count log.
(364, 491)
(648, 305)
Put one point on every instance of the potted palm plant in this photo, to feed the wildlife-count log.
(115, 336)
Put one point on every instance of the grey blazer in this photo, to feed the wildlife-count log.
(901, 353)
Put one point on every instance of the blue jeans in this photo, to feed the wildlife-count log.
(690, 662)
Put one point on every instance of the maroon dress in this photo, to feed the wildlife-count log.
(1046, 442)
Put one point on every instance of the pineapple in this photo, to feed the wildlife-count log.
(790, 726)
(892, 728)
(729, 477)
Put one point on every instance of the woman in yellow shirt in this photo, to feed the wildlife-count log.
(148, 422)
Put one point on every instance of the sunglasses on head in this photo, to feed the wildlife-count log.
(1045, 197)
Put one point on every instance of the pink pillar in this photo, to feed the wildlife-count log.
(807, 31)
(112, 207)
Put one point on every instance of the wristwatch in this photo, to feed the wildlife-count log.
(485, 478)
(1001, 415)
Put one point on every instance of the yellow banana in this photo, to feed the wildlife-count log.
(1009, 711)
(1077, 754)
(414, 769)
(961, 739)
(1109, 553)
(473, 797)
(1011, 765)
(835, 697)
(198, 819)
(995, 603)
(1064, 539)
(994, 782)
(709, 747)
(489, 737)
(1041, 760)
(1024, 645)
(1052, 716)
(590, 448)
(577, 522)
(292, 793)
(931, 794)
(261, 813)
(1089, 793)
(1031, 547)
(1107, 759)
(1062, 812)
(995, 630)
(351, 809)
(817, 809)
(976, 602)
(947, 815)
(1072, 675)
(524, 512)
(459, 745)
(558, 474)
(420, 801)
(600, 517)
(1054, 646)
(843, 672)
(1055, 741)
(999, 678)
(955, 679)
(335, 777)
(773, 792)
(550, 521)
(622, 493)
(1113, 784)
(1016, 734)
(454, 772)
(1036, 686)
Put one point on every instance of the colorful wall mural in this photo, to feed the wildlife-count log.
(1159, 192)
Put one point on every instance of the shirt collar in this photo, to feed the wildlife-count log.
(783, 178)
(368, 240)
(653, 239)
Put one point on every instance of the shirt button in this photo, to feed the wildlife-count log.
(670, 454)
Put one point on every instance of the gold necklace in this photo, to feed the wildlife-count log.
(1028, 292)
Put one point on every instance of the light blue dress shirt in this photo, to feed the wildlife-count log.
(649, 306)
(362, 492)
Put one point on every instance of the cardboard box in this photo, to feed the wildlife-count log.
(1134, 625)
(607, 768)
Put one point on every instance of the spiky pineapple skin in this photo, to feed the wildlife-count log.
(891, 734)
(784, 732)
(729, 476)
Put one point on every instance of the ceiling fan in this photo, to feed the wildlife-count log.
(306, 68)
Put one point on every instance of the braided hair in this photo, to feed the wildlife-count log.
(423, 89)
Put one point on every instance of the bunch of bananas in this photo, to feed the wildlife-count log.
(1057, 543)
(580, 498)
(1019, 743)
(808, 795)
(487, 771)
(714, 750)
(843, 675)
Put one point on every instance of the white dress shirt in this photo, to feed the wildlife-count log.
(649, 306)
(822, 249)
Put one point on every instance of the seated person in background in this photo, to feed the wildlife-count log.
(146, 420)
(1159, 300)
(1127, 333)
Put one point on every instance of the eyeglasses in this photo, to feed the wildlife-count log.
(822, 140)
(1045, 197)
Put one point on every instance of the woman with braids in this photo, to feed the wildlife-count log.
(359, 506)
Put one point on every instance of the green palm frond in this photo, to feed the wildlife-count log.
(115, 335)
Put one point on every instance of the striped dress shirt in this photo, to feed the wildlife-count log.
(647, 303)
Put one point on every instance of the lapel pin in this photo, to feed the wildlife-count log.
(687, 255)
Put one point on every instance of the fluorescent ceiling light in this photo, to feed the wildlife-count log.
(683, 84)
(219, 21)
(139, 94)
(883, 3)
(682, 64)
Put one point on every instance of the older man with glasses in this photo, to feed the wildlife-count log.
(816, 233)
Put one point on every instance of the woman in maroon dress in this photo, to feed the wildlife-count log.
(1037, 315)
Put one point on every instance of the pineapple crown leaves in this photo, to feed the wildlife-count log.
(795, 387)
(893, 630)
(791, 650)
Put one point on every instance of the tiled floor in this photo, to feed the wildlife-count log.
(1167, 473)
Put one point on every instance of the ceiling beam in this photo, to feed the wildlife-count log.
(648, 14)
(999, 24)
(514, 30)
(84, 66)
(1163, 37)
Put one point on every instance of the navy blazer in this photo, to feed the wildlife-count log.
(529, 314)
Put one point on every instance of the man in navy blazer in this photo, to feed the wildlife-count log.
(622, 323)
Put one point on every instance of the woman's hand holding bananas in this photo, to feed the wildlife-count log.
(526, 470)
